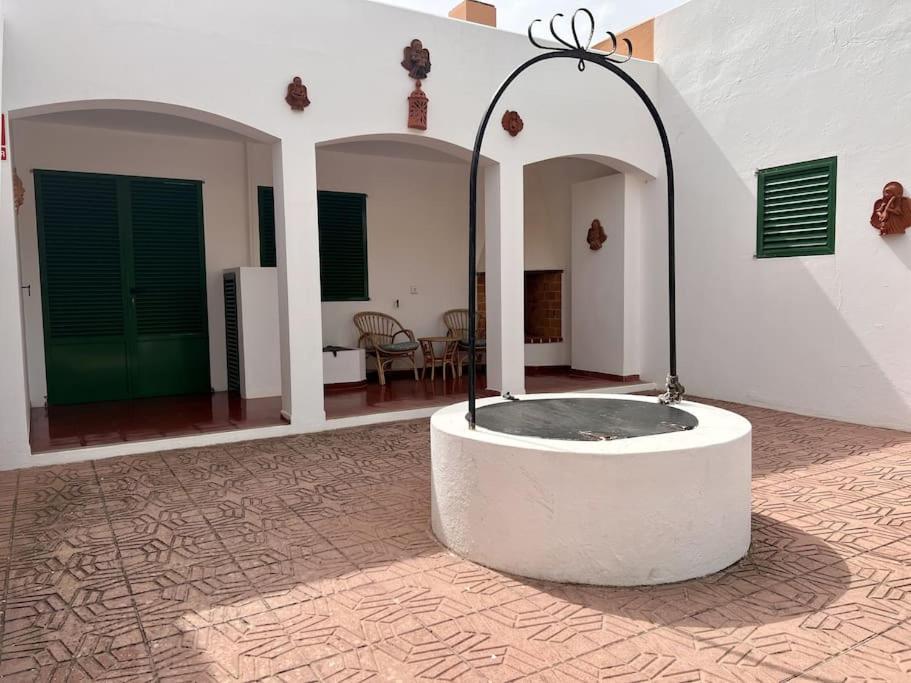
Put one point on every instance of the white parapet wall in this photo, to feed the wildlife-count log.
(635, 511)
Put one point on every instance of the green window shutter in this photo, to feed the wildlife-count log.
(265, 199)
(343, 246)
(80, 248)
(169, 258)
(796, 209)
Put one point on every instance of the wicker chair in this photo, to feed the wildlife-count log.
(378, 333)
(456, 321)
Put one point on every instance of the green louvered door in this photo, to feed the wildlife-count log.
(170, 346)
(82, 287)
(123, 286)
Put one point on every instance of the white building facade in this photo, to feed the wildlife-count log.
(194, 93)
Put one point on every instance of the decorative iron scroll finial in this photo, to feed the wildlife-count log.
(578, 45)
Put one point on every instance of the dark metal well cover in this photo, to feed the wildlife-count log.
(583, 419)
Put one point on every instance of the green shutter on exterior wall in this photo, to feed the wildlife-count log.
(343, 246)
(796, 209)
(265, 199)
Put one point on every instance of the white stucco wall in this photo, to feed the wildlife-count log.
(749, 85)
(599, 295)
(231, 61)
(220, 164)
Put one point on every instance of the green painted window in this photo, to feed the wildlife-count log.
(266, 207)
(343, 246)
(796, 209)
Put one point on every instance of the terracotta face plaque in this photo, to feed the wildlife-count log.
(512, 123)
(892, 212)
(416, 60)
(596, 236)
(297, 95)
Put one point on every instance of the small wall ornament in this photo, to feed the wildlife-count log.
(296, 96)
(596, 236)
(416, 61)
(417, 108)
(18, 191)
(892, 212)
(512, 123)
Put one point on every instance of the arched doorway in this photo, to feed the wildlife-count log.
(131, 215)
(402, 258)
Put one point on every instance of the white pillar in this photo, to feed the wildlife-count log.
(14, 403)
(297, 255)
(504, 235)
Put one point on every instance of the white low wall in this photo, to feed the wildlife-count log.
(645, 510)
(257, 313)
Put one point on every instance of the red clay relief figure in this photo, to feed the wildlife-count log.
(892, 213)
(297, 95)
(596, 236)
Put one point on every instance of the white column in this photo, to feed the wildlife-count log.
(297, 255)
(505, 277)
(14, 402)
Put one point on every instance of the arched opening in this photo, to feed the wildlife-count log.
(137, 221)
(583, 218)
(392, 237)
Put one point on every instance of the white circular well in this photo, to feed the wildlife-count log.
(644, 510)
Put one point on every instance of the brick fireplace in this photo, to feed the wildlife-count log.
(543, 306)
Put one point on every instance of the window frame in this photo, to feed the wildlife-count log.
(261, 191)
(829, 164)
(366, 256)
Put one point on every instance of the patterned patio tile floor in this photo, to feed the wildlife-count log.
(310, 558)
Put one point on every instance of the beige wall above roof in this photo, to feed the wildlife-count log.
(475, 12)
(642, 36)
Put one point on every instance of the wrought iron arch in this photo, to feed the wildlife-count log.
(609, 60)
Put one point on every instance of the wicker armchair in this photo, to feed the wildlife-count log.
(378, 333)
(456, 321)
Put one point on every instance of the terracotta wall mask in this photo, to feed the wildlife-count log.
(892, 212)
(296, 96)
(596, 236)
(512, 123)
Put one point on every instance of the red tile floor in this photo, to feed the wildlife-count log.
(310, 558)
(95, 424)
(403, 393)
